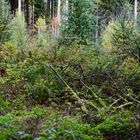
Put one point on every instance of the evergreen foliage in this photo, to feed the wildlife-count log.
(64, 87)
(5, 17)
(18, 35)
(81, 22)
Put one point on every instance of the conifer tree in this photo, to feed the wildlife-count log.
(5, 17)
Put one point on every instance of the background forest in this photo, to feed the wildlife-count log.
(69, 70)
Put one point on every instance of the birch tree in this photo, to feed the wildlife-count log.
(135, 11)
(59, 16)
(19, 7)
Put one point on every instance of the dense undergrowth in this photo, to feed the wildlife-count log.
(53, 91)
(68, 93)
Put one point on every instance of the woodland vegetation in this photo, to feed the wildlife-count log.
(69, 70)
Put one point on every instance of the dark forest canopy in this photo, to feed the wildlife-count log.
(49, 7)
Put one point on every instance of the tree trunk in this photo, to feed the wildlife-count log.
(19, 7)
(135, 21)
(27, 11)
(31, 15)
(59, 17)
(97, 25)
(48, 11)
(135, 11)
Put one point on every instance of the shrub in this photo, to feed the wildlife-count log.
(68, 128)
(118, 125)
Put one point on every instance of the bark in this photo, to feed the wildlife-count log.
(19, 7)
(52, 8)
(59, 17)
(135, 11)
(97, 25)
(48, 11)
(31, 16)
(27, 11)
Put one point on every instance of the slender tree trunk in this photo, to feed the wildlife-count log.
(135, 22)
(135, 11)
(48, 11)
(59, 17)
(52, 8)
(27, 11)
(19, 7)
(31, 15)
(67, 6)
(23, 6)
(97, 24)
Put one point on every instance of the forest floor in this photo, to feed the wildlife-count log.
(70, 93)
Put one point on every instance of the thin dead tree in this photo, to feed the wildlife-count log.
(58, 17)
(19, 7)
(135, 11)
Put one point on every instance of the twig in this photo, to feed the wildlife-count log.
(126, 104)
(83, 107)
(91, 104)
(115, 102)
(133, 99)
(94, 94)
(123, 98)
